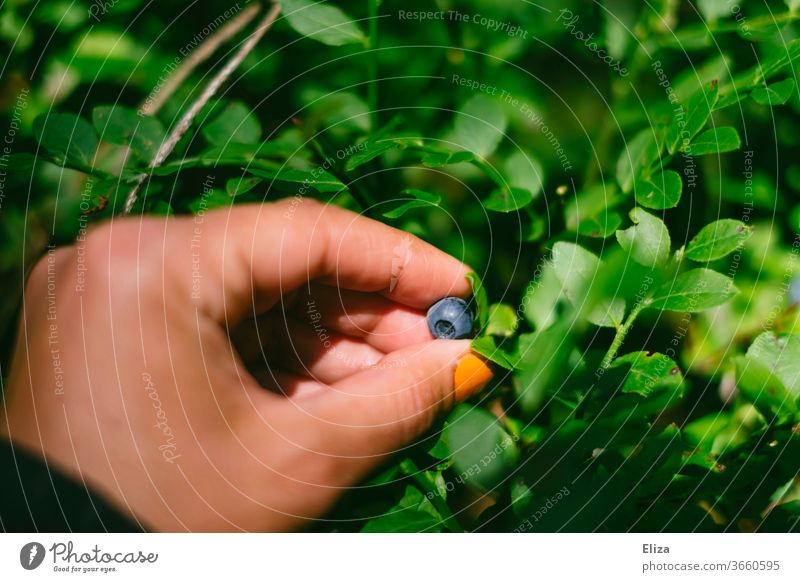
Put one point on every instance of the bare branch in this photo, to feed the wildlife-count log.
(204, 51)
(210, 90)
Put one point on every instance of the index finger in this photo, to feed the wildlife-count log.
(272, 249)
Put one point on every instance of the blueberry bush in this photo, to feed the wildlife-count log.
(622, 176)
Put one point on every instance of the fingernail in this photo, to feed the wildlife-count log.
(472, 374)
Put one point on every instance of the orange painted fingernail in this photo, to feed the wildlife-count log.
(472, 374)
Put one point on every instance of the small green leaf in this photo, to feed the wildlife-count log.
(715, 141)
(759, 385)
(774, 94)
(694, 291)
(502, 320)
(122, 126)
(69, 138)
(648, 241)
(318, 180)
(588, 212)
(414, 513)
(438, 159)
(781, 354)
(649, 372)
(482, 452)
(636, 159)
(323, 22)
(576, 269)
(524, 172)
(508, 199)
(487, 347)
(371, 150)
(717, 240)
(541, 364)
(241, 185)
(413, 199)
(481, 298)
(684, 126)
(235, 124)
(479, 126)
(659, 192)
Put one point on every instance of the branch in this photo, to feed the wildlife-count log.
(211, 89)
(204, 51)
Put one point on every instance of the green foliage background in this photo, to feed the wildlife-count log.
(622, 176)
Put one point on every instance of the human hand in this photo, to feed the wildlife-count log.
(237, 370)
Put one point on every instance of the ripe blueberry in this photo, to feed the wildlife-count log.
(450, 318)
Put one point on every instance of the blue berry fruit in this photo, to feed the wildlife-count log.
(450, 318)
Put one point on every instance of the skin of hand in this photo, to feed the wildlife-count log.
(237, 370)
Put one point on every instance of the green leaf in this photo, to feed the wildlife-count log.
(487, 347)
(781, 354)
(69, 138)
(317, 180)
(541, 297)
(684, 126)
(481, 299)
(576, 269)
(759, 385)
(774, 94)
(524, 172)
(122, 126)
(588, 212)
(438, 159)
(542, 362)
(661, 191)
(715, 141)
(479, 126)
(508, 199)
(371, 150)
(414, 199)
(502, 320)
(241, 185)
(236, 124)
(648, 241)
(650, 372)
(717, 240)
(483, 453)
(636, 159)
(694, 291)
(414, 513)
(322, 22)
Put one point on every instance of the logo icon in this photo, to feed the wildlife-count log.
(31, 555)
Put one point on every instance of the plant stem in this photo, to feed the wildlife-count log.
(209, 91)
(619, 337)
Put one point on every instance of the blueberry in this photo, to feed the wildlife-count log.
(450, 318)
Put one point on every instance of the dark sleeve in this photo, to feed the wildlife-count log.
(36, 498)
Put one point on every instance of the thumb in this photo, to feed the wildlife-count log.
(379, 410)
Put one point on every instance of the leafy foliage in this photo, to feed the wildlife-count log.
(633, 235)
